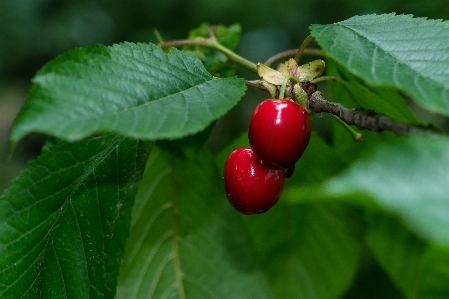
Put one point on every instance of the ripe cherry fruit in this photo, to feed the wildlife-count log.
(251, 186)
(279, 131)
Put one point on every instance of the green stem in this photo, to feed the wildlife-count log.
(326, 78)
(213, 44)
(284, 86)
(290, 53)
(158, 36)
(357, 136)
(303, 46)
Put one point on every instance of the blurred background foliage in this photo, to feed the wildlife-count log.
(32, 32)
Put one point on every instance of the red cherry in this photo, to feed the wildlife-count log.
(279, 131)
(251, 187)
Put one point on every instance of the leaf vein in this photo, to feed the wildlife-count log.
(148, 260)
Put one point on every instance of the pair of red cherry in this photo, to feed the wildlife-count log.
(279, 132)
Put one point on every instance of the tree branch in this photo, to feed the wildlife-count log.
(363, 119)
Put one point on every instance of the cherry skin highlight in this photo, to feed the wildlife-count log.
(279, 132)
(251, 186)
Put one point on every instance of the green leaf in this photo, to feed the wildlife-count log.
(399, 51)
(186, 240)
(214, 61)
(407, 177)
(420, 270)
(64, 220)
(133, 89)
(227, 36)
(398, 251)
(318, 163)
(309, 250)
(434, 273)
(322, 161)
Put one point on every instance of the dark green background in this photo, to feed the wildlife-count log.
(34, 31)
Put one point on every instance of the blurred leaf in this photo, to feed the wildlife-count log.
(397, 250)
(64, 220)
(240, 141)
(420, 270)
(133, 89)
(407, 177)
(318, 162)
(322, 161)
(309, 250)
(214, 61)
(186, 241)
(434, 273)
(343, 144)
(399, 51)
(227, 36)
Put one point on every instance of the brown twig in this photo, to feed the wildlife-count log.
(363, 119)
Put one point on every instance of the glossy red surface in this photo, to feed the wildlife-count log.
(279, 131)
(251, 187)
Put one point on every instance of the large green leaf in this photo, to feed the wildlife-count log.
(133, 89)
(322, 161)
(420, 270)
(394, 50)
(309, 250)
(64, 220)
(186, 241)
(408, 177)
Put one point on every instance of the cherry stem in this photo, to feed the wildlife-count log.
(212, 43)
(326, 78)
(303, 47)
(158, 36)
(357, 136)
(284, 85)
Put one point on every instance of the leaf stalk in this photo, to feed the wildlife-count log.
(212, 43)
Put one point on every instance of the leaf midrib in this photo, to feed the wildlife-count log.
(126, 109)
(175, 237)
